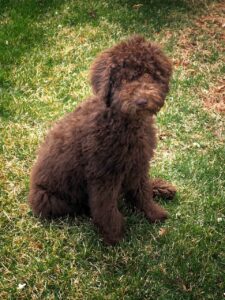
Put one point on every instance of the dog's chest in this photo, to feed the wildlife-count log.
(133, 149)
(139, 152)
(120, 150)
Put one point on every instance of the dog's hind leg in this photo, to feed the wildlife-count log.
(163, 189)
(46, 205)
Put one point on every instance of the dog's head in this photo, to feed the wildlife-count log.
(132, 76)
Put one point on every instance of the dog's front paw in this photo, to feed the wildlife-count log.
(156, 213)
(112, 240)
(113, 232)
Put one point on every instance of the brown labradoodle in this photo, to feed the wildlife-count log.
(101, 151)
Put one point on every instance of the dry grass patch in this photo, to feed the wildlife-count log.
(204, 41)
(214, 99)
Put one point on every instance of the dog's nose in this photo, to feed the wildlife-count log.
(141, 102)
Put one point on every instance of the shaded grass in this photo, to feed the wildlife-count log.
(46, 48)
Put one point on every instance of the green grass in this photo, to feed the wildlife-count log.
(46, 48)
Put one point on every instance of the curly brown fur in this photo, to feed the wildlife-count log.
(101, 151)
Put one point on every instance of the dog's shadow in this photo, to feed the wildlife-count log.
(81, 232)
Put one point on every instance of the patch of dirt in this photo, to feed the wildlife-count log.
(215, 97)
(206, 29)
(206, 35)
(220, 134)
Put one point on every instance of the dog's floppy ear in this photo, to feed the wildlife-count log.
(160, 64)
(100, 77)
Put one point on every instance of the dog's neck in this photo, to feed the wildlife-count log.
(127, 120)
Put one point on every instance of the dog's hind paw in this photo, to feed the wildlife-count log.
(163, 189)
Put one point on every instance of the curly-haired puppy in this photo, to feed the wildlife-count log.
(101, 151)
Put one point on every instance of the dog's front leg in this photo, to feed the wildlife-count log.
(142, 197)
(103, 198)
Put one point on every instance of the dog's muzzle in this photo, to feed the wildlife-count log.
(141, 102)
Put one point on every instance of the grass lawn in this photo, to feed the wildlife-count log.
(46, 48)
